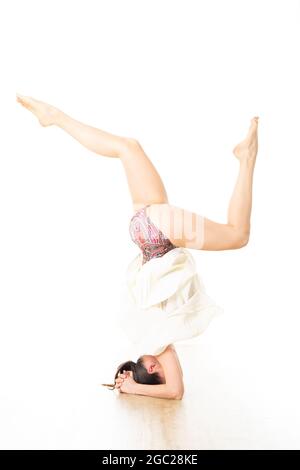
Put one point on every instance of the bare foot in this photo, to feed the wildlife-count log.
(247, 148)
(45, 113)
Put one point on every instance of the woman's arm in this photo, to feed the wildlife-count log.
(128, 385)
(158, 391)
(172, 371)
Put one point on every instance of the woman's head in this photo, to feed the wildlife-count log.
(147, 370)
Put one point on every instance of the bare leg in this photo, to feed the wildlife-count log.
(182, 227)
(237, 230)
(145, 184)
(191, 230)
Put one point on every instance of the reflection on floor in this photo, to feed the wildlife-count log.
(235, 398)
(212, 415)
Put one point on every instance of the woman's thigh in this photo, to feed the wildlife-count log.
(144, 182)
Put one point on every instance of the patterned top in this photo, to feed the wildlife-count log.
(148, 237)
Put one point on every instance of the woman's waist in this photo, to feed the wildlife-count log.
(168, 291)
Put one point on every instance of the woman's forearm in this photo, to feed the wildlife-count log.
(157, 391)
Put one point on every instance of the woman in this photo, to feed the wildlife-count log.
(165, 297)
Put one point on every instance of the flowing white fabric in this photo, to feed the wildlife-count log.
(164, 301)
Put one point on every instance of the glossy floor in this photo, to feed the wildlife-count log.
(227, 405)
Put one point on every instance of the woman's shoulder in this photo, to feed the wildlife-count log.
(169, 354)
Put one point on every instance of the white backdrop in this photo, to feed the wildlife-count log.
(184, 78)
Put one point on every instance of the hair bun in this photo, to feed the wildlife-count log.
(126, 366)
(129, 366)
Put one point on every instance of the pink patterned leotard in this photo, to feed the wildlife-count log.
(148, 237)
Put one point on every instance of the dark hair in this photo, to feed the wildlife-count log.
(139, 372)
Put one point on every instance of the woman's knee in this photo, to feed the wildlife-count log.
(126, 146)
(240, 238)
(130, 145)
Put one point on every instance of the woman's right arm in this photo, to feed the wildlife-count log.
(172, 371)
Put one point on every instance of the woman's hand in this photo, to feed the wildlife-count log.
(125, 382)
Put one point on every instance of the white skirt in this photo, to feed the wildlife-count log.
(164, 301)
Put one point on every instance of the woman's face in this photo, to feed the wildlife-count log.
(152, 364)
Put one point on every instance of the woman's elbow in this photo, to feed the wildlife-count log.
(178, 397)
(177, 394)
